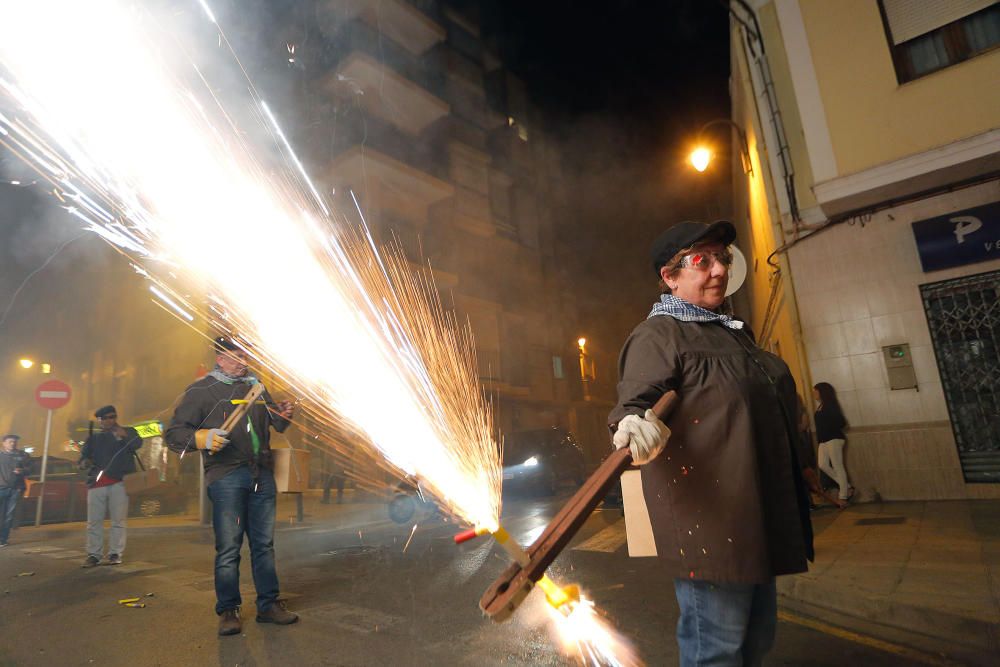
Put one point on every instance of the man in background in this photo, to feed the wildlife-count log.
(13, 468)
(108, 456)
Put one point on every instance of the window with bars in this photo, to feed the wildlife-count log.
(964, 319)
(926, 36)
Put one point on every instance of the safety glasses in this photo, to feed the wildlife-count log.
(702, 261)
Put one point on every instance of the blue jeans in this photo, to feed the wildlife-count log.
(8, 509)
(725, 624)
(242, 504)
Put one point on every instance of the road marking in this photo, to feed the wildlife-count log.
(865, 640)
(609, 540)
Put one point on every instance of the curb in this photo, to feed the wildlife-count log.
(946, 627)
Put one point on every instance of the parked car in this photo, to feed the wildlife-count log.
(542, 460)
(66, 495)
(65, 492)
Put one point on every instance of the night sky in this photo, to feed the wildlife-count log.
(625, 86)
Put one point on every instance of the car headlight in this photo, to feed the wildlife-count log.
(530, 462)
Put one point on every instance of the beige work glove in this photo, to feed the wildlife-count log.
(211, 439)
(645, 436)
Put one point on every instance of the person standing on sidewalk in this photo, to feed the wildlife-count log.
(830, 425)
(727, 508)
(13, 467)
(238, 472)
(108, 456)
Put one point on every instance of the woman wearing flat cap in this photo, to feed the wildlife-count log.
(727, 510)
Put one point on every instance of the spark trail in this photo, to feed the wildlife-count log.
(94, 98)
(114, 110)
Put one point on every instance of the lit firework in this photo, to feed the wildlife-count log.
(160, 169)
(135, 145)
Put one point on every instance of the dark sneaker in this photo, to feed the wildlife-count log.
(114, 559)
(229, 622)
(92, 561)
(277, 613)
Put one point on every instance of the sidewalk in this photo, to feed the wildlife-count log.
(931, 569)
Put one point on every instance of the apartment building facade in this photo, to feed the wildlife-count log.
(870, 208)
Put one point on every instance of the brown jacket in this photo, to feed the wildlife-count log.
(726, 499)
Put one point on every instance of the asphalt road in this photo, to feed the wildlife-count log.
(365, 596)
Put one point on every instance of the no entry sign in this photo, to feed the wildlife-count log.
(53, 394)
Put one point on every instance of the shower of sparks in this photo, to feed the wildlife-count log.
(592, 639)
(113, 109)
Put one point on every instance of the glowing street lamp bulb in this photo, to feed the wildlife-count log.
(700, 157)
(26, 363)
(581, 342)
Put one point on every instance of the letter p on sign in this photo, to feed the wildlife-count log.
(965, 225)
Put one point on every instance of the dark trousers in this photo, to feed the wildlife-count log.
(8, 510)
(332, 480)
(242, 504)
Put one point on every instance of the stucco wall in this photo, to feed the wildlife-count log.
(871, 118)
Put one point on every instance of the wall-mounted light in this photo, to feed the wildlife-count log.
(702, 155)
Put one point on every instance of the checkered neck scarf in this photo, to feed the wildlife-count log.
(679, 309)
(217, 373)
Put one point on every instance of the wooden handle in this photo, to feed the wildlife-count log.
(500, 598)
(242, 408)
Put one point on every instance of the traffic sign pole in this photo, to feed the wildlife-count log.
(45, 462)
(51, 395)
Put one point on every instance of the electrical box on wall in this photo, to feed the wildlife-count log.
(899, 366)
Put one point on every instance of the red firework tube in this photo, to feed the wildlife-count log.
(466, 535)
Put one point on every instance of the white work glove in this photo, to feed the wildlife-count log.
(211, 439)
(644, 436)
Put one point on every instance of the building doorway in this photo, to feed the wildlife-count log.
(964, 319)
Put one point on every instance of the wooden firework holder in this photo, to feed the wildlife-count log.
(243, 408)
(510, 588)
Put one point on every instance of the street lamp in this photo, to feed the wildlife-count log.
(702, 155)
(26, 363)
(587, 374)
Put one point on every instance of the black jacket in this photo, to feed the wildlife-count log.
(206, 404)
(830, 424)
(115, 457)
(8, 462)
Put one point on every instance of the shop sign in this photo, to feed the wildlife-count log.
(148, 429)
(956, 239)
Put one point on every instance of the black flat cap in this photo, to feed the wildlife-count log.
(106, 410)
(11, 436)
(686, 234)
(224, 344)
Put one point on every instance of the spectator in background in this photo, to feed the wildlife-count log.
(337, 477)
(108, 456)
(13, 467)
(807, 461)
(830, 425)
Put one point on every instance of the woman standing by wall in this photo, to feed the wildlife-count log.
(830, 424)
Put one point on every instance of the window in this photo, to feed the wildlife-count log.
(927, 36)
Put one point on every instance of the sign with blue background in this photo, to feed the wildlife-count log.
(963, 237)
